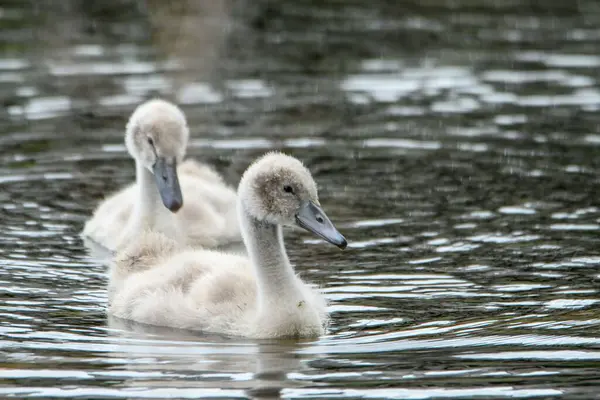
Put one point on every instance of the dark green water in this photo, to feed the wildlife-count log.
(455, 145)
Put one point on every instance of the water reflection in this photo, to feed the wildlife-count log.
(255, 369)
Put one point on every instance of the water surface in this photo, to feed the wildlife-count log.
(455, 145)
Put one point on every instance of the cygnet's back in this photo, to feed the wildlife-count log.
(259, 296)
(187, 201)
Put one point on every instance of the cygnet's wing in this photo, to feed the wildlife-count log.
(110, 218)
(209, 215)
(200, 171)
(199, 290)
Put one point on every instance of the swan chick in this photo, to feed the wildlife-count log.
(156, 137)
(258, 296)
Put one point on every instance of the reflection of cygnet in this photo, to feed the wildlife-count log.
(184, 362)
(156, 282)
(202, 211)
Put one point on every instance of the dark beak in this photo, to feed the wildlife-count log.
(312, 218)
(167, 182)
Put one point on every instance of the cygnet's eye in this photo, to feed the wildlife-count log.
(150, 141)
(288, 189)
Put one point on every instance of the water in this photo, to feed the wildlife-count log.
(455, 145)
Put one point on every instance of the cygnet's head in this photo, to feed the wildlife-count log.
(156, 137)
(278, 189)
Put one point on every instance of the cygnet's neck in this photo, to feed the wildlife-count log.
(149, 207)
(275, 276)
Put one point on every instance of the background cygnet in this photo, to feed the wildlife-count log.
(156, 281)
(189, 202)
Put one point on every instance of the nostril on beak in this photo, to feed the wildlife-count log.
(319, 219)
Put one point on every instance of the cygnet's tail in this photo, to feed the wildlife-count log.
(143, 252)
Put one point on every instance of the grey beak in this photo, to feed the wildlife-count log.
(312, 218)
(165, 174)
